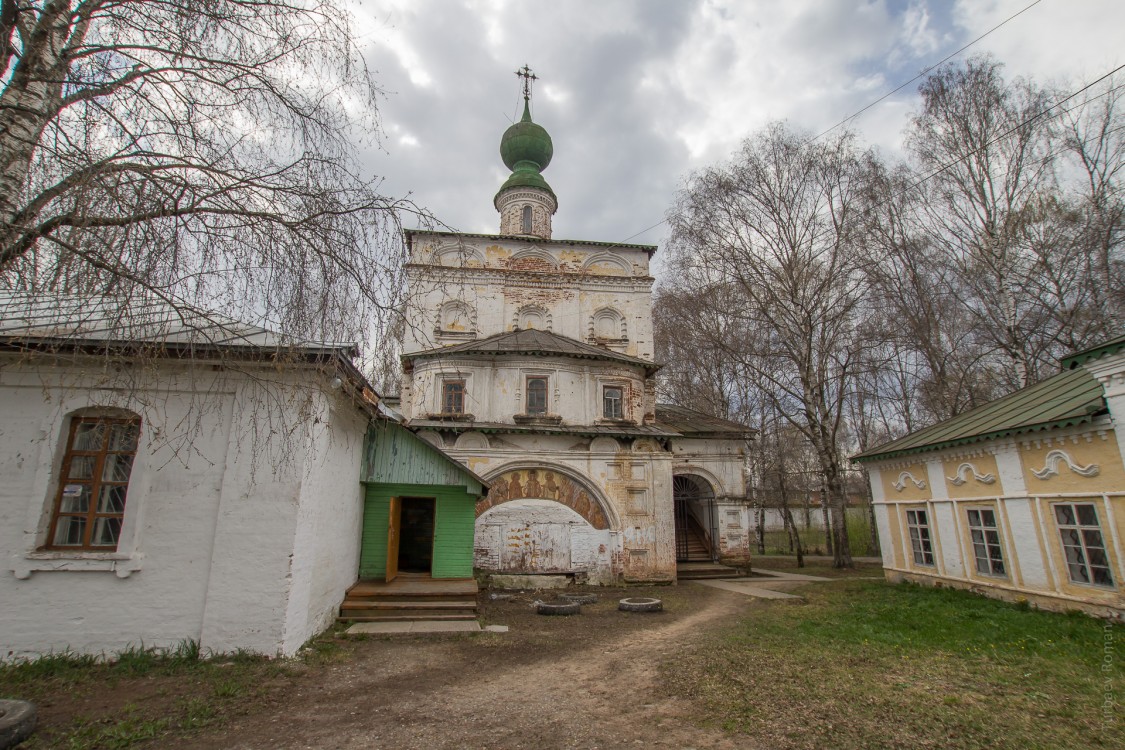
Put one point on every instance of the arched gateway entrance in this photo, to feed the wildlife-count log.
(540, 520)
(694, 501)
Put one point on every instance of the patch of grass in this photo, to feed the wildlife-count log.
(176, 692)
(874, 665)
(114, 735)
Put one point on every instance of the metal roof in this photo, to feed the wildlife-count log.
(1113, 346)
(1070, 398)
(535, 343)
(650, 249)
(692, 423)
(45, 320)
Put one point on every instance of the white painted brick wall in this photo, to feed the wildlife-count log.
(215, 525)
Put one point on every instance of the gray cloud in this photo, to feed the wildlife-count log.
(637, 93)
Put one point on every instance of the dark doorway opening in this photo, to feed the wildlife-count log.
(416, 544)
(693, 497)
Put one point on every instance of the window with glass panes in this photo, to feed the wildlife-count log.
(1083, 545)
(919, 527)
(453, 397)
(93, 483)
(611, 402)
(986, 542)
(537, 395)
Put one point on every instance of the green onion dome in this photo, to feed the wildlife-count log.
(526, 149)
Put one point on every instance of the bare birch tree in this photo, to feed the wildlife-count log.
(768, 239)
(986, 150)
(196, 151)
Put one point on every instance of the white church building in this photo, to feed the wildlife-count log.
(530, 359)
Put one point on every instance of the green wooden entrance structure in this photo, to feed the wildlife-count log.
(401, 467)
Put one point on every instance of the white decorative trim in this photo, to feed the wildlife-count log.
(900, 485)
(957, 480)
(1051, 467)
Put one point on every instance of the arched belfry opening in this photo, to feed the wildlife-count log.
(693, 499)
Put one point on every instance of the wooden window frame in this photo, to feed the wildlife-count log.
(546, 395)
(986, 544)
(921, 540)
(447, 389)
(620, 402)
(96, 482)
(1082, 531)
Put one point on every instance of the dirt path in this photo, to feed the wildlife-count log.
(591, 681)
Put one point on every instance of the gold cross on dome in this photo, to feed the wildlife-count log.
(527, 76)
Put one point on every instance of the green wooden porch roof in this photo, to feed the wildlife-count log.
(395, 455)
(1069, 398)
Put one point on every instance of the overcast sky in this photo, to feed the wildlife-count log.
(638, 93)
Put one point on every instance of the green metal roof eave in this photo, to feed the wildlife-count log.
(1109, 348)
(969, 439)
(650, 249)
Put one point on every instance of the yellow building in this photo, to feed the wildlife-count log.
(1020, 499)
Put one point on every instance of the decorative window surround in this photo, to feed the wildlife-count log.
(1051, 467)
(124, 565)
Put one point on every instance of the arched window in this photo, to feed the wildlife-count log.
(93, 482)
(607, 324)
(537, 395)
(532, 317)
(527, 219)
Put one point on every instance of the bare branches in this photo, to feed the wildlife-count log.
(208, 148)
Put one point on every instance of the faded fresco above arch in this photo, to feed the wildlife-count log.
(544, 484)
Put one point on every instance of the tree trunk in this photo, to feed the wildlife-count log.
(828, 546)
(790, 524)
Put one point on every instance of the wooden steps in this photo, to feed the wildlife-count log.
(411, 597)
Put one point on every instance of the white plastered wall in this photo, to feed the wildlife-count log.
(212, 519)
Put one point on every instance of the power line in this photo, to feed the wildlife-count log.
(900, 87)
(924, 71)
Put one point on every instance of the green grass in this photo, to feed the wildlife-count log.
(873, 665)
(179, 692)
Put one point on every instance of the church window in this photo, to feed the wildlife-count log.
(93, 482)
(527, 219)
(536, 395)
(612, 402)
(453, 397)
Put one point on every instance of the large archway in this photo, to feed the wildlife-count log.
(544, 520)
(693, 500)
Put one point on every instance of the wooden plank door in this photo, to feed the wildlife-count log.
(394, 530)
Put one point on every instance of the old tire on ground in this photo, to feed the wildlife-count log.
(579, 598)
(17, 722)
(558, 608)
(640, 604)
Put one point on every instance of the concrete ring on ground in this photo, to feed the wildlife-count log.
(558, 608)
(640, 604)
(579, 598)
(17, 722)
